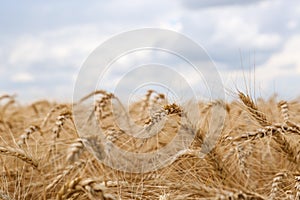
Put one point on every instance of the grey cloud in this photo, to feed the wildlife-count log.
(269, 21)
(196, 4)
(201, 25)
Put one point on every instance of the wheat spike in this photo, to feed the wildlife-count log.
(4, 196)
(243, 153)
(89, 186)
(96, 92)
(287, 147)
(5, 96)
(101, 104)
(29, 131)
(276, 185)
(18, 154)
(284, 110)
(75, 149)
(253, 110)
(297, 187)
(60, 121)
(160, 116)
(52, 111)
(77, 165)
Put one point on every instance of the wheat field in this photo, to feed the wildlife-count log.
(256, 156)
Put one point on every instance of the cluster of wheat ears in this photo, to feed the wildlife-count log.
(256, 156)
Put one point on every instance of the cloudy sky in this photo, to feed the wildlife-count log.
(44, 44)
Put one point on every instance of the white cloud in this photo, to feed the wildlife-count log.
(22, 78)
(292, 24)
(194, 4)
(285, 62)
(241, 33)
(63, 39)
(171, 20)
(65, 47)
(277, 75)
(273, 75)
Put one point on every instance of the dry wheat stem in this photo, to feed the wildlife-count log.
(287, 147)
(101, 104)
(277, 185)
(29, 131)
(253, 110)
(75, 149)
(96, 92)
(284, 110)
(238, 196)
(145, 101)
(89, 186)
(7, 105)
(18, 154)
(261, 133)
(297, 187)
(232, 170)
(243, 154)
(276, 131)
(60, 121)
(5, 96)
(52, 111)
(76, 166)
(4, 196)
(161, 115)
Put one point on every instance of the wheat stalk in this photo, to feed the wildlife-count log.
(194, 173)
(95, 145)
(101, 104)
(242, 156)
(145, 102)
(253, 110)
(277, 132)
(89, 186)
(238, 196)
(52, 111)
(96, 92)
(261, 133)
(29, 131)
(75, 149)
(60, 121)
(4, 196)
(18, 154)
(284, 110)
(6, 106)
(161, 115)
(76, 166)
(5, 96)
(297, 187)
(287, 147)
(276, 185)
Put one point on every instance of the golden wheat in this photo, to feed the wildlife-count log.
(252, 154)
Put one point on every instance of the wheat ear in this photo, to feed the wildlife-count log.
(276, 185)
(286, 147)
(5, 96)
(4, 196)
(60, 121)
(18, 154)
(25, 136)
(297, 187)
(89, 186)
(77, 165)
(161, 114)
(253, 110)
(284, 110)
(52, 111)
(75, 149)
